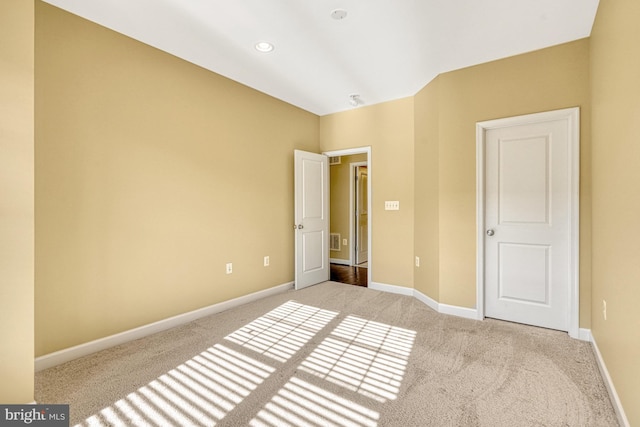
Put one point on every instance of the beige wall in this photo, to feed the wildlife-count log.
(151, 174)
(388, 129)
(427, 201)
(339, 202)
(544, 80)
(16, 201)
(615, 87)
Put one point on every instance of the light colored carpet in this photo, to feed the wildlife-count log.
(335, 354)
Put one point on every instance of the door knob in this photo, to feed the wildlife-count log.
(300, 227)
(490, 232)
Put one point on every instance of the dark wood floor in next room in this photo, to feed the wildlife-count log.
(349, 275)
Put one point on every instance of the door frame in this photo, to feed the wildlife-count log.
(572, 115)
(347, 152)
(353, 256)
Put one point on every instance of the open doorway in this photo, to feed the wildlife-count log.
(350, 222)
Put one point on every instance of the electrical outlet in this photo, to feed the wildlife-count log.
(604, 309)
(344, 242)
(229, 268)
(266, 261)
(417, 261)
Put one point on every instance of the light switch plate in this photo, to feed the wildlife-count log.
(393, 205)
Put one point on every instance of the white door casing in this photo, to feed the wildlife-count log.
(362, 215)
(311, 218)
(528, 173)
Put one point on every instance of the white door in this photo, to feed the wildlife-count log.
(362, 215)
(528, 222)
(311, 218)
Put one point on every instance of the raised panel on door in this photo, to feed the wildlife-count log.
(524, 273)
(524, 180)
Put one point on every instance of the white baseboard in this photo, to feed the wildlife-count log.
(67, 354)
(433, 304)
(467, 313)
(585, 335)
(339, 261)
(393, 289)
(454, 310)
(615, 400)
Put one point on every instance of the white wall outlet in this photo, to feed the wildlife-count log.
(604, 309)
(229, 268)
(417, 261)
(392, 205)
(344, 242)
(266, 261)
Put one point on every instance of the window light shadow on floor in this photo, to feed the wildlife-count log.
(364, 356)
(283, 331)
(300, 403)
(359, 356)
(201, 391)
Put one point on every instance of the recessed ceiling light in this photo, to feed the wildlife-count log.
(264, 47)
(339, 14)
(354, 100)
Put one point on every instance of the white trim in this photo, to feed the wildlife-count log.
(392, 289)
(573, 118)
(353, 256)
(615, 400)
(351, 250)
(453, 310)
(480, 160)
(425, 299)
(339, 261)
(67, 354)
(585, 335)
(363, 150)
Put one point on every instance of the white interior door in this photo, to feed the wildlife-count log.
(311, 218)
(362, 215)
(528, 262)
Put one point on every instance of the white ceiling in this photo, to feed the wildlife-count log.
(382, 50)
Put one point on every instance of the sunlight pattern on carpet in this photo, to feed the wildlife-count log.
(364, 356)
(200, 391)
(300, 403)
(283, 331)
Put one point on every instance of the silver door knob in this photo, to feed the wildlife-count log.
(300, 227)
(490, 232)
